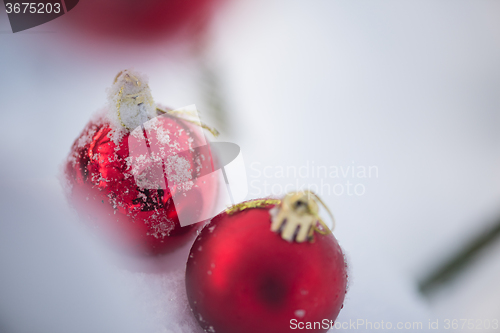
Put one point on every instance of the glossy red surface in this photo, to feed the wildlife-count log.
(241, 277)
(141, 20)
(134, 219)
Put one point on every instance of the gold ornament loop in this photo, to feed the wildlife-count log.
(128, 77)
(180, 113)
(144, 96)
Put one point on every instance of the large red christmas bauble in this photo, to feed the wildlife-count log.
(106, 188)
(242, 277)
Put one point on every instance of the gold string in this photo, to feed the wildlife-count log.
(176, 113)
(314, 228)
(323, 224)
(118, 105)
(259, 203)
(128, 78)
(180, 113)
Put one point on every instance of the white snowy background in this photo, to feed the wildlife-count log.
(409, 87)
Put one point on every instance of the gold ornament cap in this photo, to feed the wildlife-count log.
(297, 217)
(130, 101)
(131, 104)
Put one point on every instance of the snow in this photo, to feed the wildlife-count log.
(63, 280)
(54, 277)
(300, 313)
(164, 297)
(179, 172)
(162, 135)
(160, 225)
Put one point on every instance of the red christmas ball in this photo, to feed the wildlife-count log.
(142, 20)
(112, 193)
(242, 277)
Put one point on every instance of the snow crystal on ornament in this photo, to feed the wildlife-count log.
(162, 136)
(300, 313)
(161, 226)
(179, 172)
(274, 212)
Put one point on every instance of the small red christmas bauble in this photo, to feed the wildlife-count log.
(106, 188)
(242, 277)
